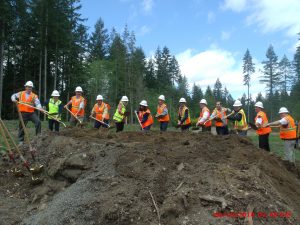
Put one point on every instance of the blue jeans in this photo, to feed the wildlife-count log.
(164, 126)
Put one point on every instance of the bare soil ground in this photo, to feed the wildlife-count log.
(98, 177)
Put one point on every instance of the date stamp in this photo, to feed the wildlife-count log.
(274, 214)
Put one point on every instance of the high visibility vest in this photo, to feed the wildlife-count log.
(205, 109)
(99, 111)
(29, 101)
(263, 130)
(289, 132)
(53, 107)
(241, 125)
(149, 121)
(221, 114)
(181, 113)
(160, 110)
(117, 116)
(75, 105)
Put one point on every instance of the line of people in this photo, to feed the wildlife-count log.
(27, 100)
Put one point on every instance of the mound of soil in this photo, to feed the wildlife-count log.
(99, 177)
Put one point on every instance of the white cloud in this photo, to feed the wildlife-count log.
(235, 5)
(143, 30)
(269, 15)
(211, 17)
(205, 67)
(225, 35)
(147, 5)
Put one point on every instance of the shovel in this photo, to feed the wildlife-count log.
(16, 171)
(73, 115)
(37, 167)
(100, 121)
(138, 119)
(45, 112)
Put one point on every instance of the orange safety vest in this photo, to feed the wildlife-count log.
(75, 105)
(220, 114)
(208, 123)
(263, 130)
(99, 111)
(29, 101)
(149, 121)
(289, 132)
(181, 115)
(160, 110)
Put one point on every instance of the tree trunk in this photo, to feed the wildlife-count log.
(1, 66)
(40, 76)
(248, 103)
(56, 68)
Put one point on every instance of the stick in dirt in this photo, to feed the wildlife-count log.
(156, 208)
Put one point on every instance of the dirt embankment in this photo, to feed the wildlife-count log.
(99, 177)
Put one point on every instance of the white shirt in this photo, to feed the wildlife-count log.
(204, 117)
(259, 120)
(283, 121)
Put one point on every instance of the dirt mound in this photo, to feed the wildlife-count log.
(99, 177)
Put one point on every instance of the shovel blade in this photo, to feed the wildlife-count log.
(36, 180)
(17, 172)
(36, 168)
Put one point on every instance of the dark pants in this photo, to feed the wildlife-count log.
(55, 123)
(242, 133)
(119, 126)
(163, 126)
(185, 127)
(222, 130)
(97, 124)
(29, 117)
(147, 128)
(263, 142)
(206, 129)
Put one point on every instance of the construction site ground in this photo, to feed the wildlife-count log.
(98, 177)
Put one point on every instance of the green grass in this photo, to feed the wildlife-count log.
(276, 144)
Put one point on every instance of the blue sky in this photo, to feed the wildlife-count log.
(209, 38)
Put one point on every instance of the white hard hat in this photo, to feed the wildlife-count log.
(99, 97)
(29, 84)
(144, 103)
(162, 97)
(124, 99)
(283, 110)
(203, 101)
(182, 100)
(78, 89)
(259, 104)
(237, 103)
(55, 93)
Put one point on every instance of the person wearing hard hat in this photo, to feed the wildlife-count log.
(239, 117)
(120, 114)
(263, 132)
(184, 120)
(101, 112)
(162, 114)
(204, 120)
(25, 100)
(77, 103)
(221, 121)
(288, 133)
(55, 107)
(144, 116)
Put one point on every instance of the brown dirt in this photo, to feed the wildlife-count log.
(99, 177)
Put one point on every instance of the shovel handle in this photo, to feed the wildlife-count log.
(100, 121)
(73, 115)
(138, 119)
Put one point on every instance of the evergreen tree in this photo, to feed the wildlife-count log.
(248, 70)
(98, 44)
(285, 68)
(217, 91)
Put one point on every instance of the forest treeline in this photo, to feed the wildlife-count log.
(47, 41)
